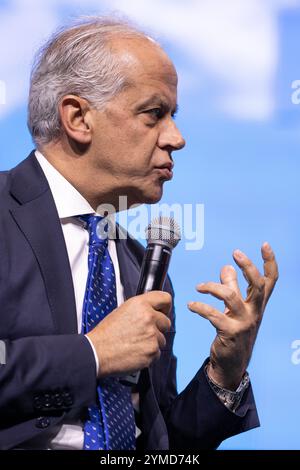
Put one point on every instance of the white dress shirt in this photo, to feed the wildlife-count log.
(69, 203)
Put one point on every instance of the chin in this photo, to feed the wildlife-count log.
(148, 198)
(148, 195)
(153, 200)
(153, 197)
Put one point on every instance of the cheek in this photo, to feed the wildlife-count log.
(138, 145)
(126, 146)
(137, 134)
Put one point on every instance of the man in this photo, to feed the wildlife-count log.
(101, 106)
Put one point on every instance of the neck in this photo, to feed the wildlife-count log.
(96, 187)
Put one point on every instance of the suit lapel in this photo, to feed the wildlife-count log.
(37, 218)
(129, 267)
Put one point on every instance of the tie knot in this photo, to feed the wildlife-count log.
(97, 227)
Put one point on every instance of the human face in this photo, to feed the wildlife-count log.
(135, 134)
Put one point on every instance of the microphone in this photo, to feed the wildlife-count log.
(163, 234)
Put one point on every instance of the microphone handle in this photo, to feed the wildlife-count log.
(153, 275)
(154, 268)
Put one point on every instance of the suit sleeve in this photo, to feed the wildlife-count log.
(196, 418)
(34, 365)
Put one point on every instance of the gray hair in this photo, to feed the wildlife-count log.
(76, 60)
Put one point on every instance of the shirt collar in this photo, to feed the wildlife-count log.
(69, 202)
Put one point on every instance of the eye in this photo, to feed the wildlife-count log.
(156, 113)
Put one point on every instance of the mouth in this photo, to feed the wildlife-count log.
(165, 170)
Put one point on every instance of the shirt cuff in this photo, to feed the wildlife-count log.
(95, 355)
(231, 399)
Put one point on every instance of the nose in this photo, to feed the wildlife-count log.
(170, 136)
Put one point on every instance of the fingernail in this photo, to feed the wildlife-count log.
(238, 254)
(267, 246)
(229, 266)
(190, 304)
(200, 286)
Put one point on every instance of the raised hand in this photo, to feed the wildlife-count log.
(238, 325)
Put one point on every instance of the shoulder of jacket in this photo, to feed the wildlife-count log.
(3, 179)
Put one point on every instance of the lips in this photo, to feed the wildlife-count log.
(168, 165)
(166, 170)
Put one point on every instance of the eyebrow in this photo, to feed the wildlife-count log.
(157, 99)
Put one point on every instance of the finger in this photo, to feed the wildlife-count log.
(228, 277)
(159, 300)
(229, 296)
(270, 264)
(162, 322)
(157, 356)
(270, 270)
(206, 311)
(256, 282)
(161, 340)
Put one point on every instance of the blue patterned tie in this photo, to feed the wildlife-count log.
(111, 424)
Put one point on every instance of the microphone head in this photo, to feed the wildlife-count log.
(163, 230)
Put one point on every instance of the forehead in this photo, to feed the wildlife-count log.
(148, 68)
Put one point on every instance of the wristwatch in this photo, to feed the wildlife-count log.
(231, 399)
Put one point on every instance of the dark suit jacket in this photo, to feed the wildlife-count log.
(50, 371)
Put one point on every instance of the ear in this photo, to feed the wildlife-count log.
(76, 118)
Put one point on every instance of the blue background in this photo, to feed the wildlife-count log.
(241, 161)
